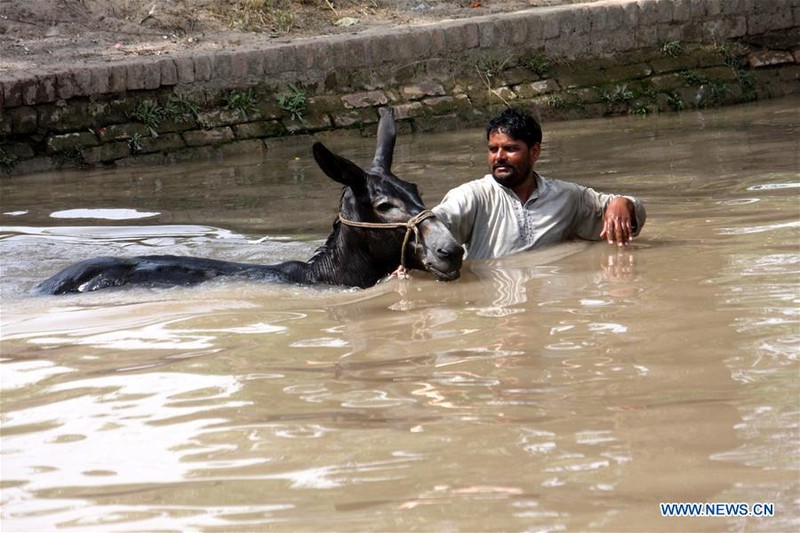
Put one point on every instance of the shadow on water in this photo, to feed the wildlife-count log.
(572, 388)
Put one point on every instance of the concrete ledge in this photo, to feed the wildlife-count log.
(455, 69)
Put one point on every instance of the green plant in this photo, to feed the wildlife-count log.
(620, 94)
(747, 83)
(180, 109)
(641, 109)
(135, 143)
(70, 157)
(729, 52)
(566, 101)
(675, 102)
(492, 66)
(151, 114)
(672, 48)
(242, 101)
(719, 92)
(692, 78)
(294, 101)
(536, 63)
(7, 161)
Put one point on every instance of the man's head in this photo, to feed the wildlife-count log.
(516, 124)
(514, 143)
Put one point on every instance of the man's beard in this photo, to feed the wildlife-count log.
(511, 176)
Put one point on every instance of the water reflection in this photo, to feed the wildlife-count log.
(573, 388)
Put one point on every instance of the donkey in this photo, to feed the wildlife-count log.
(371, 238)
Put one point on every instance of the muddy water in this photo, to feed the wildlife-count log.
(573, 388)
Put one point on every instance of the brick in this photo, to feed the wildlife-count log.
(598, 20)
(252, 130)
(287, 59)
(472, 38)
(272, 62)
(309, 124)
(237, 148)
(202, 68)
(410, 110)
(46, 88)
(31, 90)
(490, 34)
(442, 104)
(340, 53)
(169, 72)
(383, 48)
(162, 143)
(119, 132)
(70, 141)
(537, 88)
(364, 99)
(422, 89)
(352, 49)
(184, 67)
(135, 76)
(207, 137)
(106, 153)
(118, 78)
(421, 42)
(579, 20)
(66, 85)
(664, 11)
(23, 119)
(219, 117)
(239, 67)
(455, 38)
(354, 117)
(152, 76)
(438, 42)
(221, 66)
(99, 79)
(769, 58)
(517, 29)
(255, 64)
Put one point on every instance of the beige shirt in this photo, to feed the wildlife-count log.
(491, 221)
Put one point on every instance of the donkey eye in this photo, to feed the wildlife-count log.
(383, 207)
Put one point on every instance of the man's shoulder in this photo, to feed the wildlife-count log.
(553, 185)
(476, 186)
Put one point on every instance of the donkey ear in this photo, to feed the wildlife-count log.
(338, 168)
(384, 150)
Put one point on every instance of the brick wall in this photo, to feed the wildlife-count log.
(564, 62)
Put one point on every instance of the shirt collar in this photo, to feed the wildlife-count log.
(540, 184)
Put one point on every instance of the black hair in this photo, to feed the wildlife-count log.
(516, 124)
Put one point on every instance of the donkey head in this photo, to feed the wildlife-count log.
(377, 207)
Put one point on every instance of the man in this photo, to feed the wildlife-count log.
(514, 209)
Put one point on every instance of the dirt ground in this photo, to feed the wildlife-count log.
(42, 33)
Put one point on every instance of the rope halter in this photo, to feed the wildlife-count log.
(411, 226)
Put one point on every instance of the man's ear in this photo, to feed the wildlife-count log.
(535, 151)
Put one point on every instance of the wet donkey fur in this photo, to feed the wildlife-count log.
(378, 212)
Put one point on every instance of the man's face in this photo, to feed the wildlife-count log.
(511, 160)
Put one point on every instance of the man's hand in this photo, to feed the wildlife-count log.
(618, 222)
